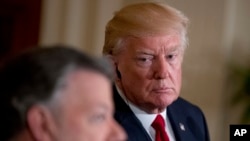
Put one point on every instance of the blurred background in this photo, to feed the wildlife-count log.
(216, 69)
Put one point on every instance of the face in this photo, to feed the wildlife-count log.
(87, 110)
(150, 70)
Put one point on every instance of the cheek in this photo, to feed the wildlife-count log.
(177, 79)
(78, 126)
(180, 74)
(89, 132)
(98, 132)
(132, 74)
(176, 72)
(75, 127)
(136, 79)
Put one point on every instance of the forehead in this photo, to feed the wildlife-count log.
(86, 88)
(154, 43)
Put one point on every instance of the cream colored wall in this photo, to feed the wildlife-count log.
(216, 27)
(237, 38)
(79, 23)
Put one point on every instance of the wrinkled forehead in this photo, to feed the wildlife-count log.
(170, 41)
(163, 39)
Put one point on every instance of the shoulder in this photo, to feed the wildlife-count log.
(186, 111)
(190, 115)
(183, 106)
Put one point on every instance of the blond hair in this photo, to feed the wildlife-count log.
(141, 20)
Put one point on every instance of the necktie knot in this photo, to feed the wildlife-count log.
(159, 126)
(158, 123)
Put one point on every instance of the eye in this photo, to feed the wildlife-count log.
(98, 118)
(144, 60)
(171, 56)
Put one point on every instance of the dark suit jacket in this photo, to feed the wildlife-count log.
(179, 112)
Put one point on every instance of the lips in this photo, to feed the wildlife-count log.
(162, 90)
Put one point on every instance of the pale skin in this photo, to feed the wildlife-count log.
(88, 110)
(150, 69)
(84, 112)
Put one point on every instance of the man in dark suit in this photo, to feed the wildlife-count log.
(146, 43)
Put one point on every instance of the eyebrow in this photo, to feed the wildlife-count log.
(173, 48)
(146, 52)
(104, 106)
(149, 52)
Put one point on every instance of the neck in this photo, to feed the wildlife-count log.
(151, 109)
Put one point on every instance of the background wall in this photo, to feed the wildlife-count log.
(219, 33)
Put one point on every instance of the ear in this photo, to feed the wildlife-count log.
(111, 60)
(114, 63)
(40, 123)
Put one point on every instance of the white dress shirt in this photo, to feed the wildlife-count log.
(147, 119)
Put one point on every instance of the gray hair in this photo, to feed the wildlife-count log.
(36, 78)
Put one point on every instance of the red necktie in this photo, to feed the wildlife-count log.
(159, 126)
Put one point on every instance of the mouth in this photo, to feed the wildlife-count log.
(163, 90)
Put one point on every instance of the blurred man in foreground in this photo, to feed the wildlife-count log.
(57, 94)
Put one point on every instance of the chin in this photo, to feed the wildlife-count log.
(163, 103)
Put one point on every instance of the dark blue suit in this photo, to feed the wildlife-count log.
(179, 112)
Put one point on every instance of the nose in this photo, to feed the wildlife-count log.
(161, 68)
(117, 132)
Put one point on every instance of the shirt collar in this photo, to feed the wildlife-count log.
(145, 118)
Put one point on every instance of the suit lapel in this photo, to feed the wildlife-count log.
(128, 120)
(176, 123)
(180, 122)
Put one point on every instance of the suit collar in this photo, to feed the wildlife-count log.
(178, 120)
(127, 119)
